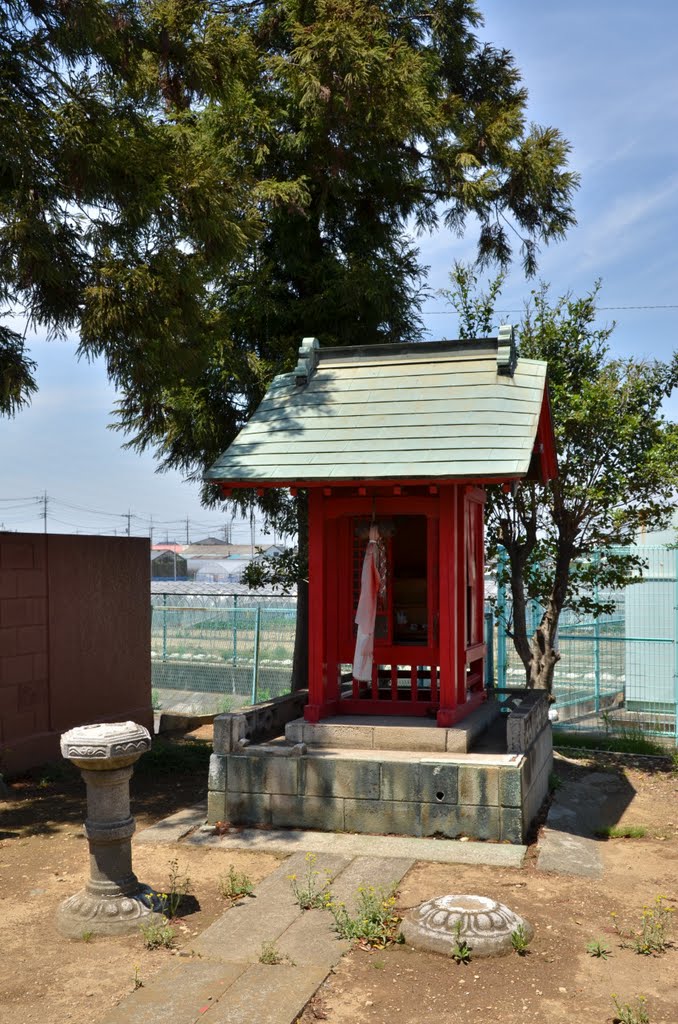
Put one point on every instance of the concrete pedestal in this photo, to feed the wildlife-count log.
(113, 900)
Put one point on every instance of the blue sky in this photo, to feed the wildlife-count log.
(606, 75)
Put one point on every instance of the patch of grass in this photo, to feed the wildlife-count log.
(87, 936)
(157, 934)
(167, 757)
(234, 885)
(270, 954)
(622, 832)
(375, 924)
(625, 741)
(628, 1014)
(555, 781)
(520, 941)
(311, 891)
(597, 948)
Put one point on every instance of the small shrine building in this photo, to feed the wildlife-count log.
(394, 445)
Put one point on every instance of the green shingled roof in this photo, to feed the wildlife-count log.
(441, 410)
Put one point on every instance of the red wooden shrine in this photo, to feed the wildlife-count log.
(428, 638)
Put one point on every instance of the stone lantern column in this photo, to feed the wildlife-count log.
(113, 901)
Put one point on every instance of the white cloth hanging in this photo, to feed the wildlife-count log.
(366, 613)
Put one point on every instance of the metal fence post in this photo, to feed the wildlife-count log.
(596, 641)
(164, 627)
(235, 629)
(501, 622)
(255, 659)
(489, 643)
(675, 649)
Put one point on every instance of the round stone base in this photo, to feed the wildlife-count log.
(485, 925)
(86, 913)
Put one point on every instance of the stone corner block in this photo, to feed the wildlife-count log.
(218, 773)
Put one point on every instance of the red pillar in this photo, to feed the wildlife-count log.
(448, 626)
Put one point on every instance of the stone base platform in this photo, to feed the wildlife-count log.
(384, 732)
(410, 784)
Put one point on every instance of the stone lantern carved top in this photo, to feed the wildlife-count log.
(108, 744)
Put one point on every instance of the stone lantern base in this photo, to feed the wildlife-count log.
(113, 901)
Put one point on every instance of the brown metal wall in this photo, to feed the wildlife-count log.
(74, 639)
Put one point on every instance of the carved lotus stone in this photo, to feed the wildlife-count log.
(485, 925)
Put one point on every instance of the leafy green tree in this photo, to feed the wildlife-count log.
(194, 185)
(618, 469)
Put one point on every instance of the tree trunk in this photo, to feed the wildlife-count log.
(300, 660)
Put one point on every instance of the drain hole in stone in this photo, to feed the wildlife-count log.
(440, 795)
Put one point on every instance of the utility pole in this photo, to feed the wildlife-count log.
(150, 532)
(44, 510)
(187, 536)
(252, 524)
(129, 522)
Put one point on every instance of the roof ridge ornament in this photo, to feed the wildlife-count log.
(507, 356)
(309, 353)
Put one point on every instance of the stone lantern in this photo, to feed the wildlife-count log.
(113, 900)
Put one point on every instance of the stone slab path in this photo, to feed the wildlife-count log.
(187, 825)
(224, 983)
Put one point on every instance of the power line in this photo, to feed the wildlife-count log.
(453, 312)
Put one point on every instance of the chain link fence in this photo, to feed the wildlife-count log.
(212, 653)
(616, 672)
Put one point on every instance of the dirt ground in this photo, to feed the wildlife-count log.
(48, 979)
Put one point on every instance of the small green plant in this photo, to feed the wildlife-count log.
(270, 954)
(597, 948)
(655, 926)
(520, 941)
(555, 781)
(157, 934)
(156, 703)
(656, 922)
(178, 887)
(622, 831)
(234, 885)
(375, 924)
(628, 1014)
(86, 936)
(138, 983)
(311, 891)
(461, 951)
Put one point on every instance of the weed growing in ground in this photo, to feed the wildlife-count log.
(597, 948)
(375, 924)
(234, 885)
(178, 887)
(157, 934)
(622, 831)
(628, 1014)
(86, 936)
(138, 983)
(270, 954)
(656, 922)
(555, 781)
(653, 937)
(520, 941)
(461, 951)
(311, 891)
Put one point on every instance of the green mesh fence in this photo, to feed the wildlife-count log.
(618, 672)
(212, 653)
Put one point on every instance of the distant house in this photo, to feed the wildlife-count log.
(168, 565)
